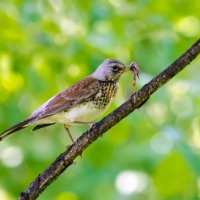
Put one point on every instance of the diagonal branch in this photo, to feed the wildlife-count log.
(65, 159)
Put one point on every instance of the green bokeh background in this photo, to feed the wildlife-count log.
(45, 46)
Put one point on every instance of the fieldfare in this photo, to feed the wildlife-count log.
(80, 103)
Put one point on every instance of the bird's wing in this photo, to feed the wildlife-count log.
(77, 93)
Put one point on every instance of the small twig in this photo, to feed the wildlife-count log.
(135, 101)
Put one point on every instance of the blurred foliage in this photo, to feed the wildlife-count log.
(47, 45)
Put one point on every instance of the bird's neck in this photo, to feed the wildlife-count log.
(103, 78)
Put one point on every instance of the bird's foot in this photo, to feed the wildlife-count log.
(90, 125)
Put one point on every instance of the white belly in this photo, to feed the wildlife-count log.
(81, 113)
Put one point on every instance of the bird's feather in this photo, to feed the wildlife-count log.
(16, 127)
(68, 98)
(41, 126)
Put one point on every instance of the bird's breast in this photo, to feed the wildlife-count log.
(105, 95)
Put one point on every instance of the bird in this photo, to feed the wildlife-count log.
(81, 103)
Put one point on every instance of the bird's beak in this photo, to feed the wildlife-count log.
(126, 68)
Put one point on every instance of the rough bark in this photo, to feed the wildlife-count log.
(66, 158)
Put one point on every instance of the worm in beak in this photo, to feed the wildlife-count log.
(136, 70)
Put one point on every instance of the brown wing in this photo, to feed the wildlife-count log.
(77, 93)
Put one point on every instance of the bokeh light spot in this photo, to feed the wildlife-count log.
(116, 3)
(189, 26)
(198, 183)
(129, 182)
(11, 156)
(71, 27)
(9, 80)
(67, 195)
(196, 133)
(178, 89)
(73, 70)
(157, 111)
(3, 194)
(161, 143)
(5, 63)
(12, 81)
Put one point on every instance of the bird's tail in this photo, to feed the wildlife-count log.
(16, 128)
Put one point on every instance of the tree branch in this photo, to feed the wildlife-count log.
(65, 159)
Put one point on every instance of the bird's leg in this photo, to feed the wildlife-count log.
(90, 124)
(68, 132)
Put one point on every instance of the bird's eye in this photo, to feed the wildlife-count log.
(115, 68)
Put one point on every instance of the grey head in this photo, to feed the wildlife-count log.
(110, 70)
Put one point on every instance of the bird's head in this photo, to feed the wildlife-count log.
(110, 70)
